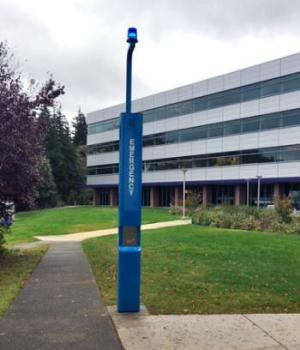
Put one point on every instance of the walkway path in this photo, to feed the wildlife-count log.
(59, 308)
(81, 236)
(208, 332)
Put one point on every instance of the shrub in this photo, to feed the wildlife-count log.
(174, 210)
(6, 212)
(192, 202)
(284, 208)
(202, 216)
(243, 218)
(294, 227)
(266, 218)
(2, 241)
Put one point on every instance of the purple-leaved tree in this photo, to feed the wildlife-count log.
(20, 133)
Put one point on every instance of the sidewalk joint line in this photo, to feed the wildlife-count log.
(267, 333)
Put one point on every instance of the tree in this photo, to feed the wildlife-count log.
(20, 136)
(80, 129)
(47, 193)
(61, 153)
(20, 133)
(84, 195)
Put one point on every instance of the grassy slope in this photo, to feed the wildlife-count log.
(192, 269)
(69, 220)
(14, 270)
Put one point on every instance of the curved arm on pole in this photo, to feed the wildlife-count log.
(128, 77)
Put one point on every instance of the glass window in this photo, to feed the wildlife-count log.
(148, 140)
(161, 165)
(193, 134)
(169, 111)
(185, 107)
(250, 92)
(199, 163)
(200, 104)
(250, 124)
(291, 118)
(270, 121)
(291, 83)
(233, 127)
(245, 93)
(290, 153)
(212, 161)
(215, 130)
(171, 165)
(201, 132)
(150, 116)
(215, 100)
(184, 163)
(228, 160)
(248, 158)
(90, 149)
(160, 139)
(266, 156)
(231, 97)
(269, 88)
(91, 129)
(171, 137)
(116, 123)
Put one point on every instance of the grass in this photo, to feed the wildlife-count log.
(60, 221)
(14, 271)
(192, 269)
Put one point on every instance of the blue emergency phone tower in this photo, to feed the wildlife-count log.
(130, 184)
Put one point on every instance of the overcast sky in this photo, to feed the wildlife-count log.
(83, 42)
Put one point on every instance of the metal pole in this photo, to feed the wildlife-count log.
(258, 190)
(128, 77)
(183, 193)
(130, 185)
(248, 191)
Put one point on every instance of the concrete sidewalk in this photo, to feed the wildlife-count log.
(208, 332)
(81, 236)
(59, 308)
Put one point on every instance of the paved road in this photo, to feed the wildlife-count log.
(59, 308)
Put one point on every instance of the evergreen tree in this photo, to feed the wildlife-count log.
(84, 196)
(61, 153)
(79, 140)
(80, 129)
(47, 193)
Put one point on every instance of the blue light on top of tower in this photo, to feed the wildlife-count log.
(132, 35)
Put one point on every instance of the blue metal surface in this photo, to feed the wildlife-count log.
(128, 77)
(129, 279)
(130, 185)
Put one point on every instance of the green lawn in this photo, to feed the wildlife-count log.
(194, 269)
(69, 220)
(15, 269)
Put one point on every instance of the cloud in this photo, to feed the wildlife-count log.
(82, 42)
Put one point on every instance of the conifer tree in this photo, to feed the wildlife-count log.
(47, 193)
(61, 153)
(80, 129)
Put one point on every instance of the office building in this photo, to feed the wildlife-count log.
(227, 131)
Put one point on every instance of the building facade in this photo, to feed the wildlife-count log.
(227, 131)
